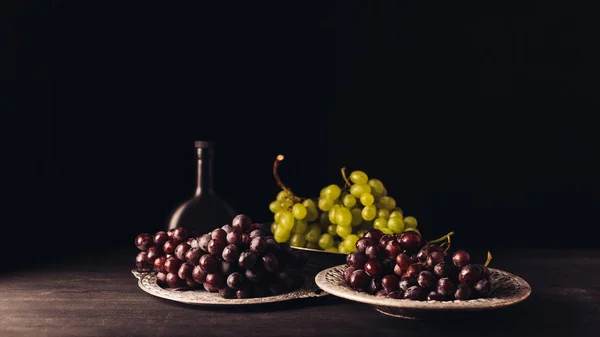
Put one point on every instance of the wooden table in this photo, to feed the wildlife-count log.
(97, 295)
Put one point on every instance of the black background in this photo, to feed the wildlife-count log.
(478, 120)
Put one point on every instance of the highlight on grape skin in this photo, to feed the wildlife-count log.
(241, 260)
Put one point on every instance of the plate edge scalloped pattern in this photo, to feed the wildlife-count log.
(510, 288)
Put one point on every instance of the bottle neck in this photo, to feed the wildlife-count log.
(204, 185)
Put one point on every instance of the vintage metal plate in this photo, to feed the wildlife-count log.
(147, 282)
(507, 289)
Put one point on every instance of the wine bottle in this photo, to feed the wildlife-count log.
(205, 210)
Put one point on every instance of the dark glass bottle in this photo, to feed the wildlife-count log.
(205, 211)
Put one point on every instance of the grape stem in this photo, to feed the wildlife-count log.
(345, 178)
(449, 244)
(443, 238)
(278, 160)
(489, 259)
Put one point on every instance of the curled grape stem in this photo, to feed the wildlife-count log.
(443, 238)
(278, 160)
(345, 178)
(489, 259)
(449, 244)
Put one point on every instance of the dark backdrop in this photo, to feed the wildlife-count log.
(477, 121)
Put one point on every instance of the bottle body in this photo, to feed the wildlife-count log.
(205, 211)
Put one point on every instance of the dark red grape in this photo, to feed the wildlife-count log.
(160, 238)
(203, 243)
(154, 252)
(235, 280)
(434, 258)
(170, 232)
(161, 279)
(234, 238)
(218, 234)
(409, 241)
(415, 293)
(191, 283)
(359, 279)
(443, 269)
(260, 226)
(272, 245)
(216, 280)
(381, 293)
(227, 292)
(144, 241)
(347, 272)
(172, 265)
(169, 247)
(385, 239)
(258, 245)
(141, 261)
(210, 288)
(435, 296)
(375, 252)
(185, 271)
(397, 294)
(254, 276)
(227, 267)
(245, 239)
(180, 235)
(373, 267)
(173, 281)
(445, 286)
(356, 260)
(469, 274)
(374, 234)
(399, 271)
(247, 259)
(243, 293)
(215, 247)
(407, 283)
(192, 256)
(159, 264)
(181, 249)
(270, 262)
(363, 243)
(374, 286)
(231, 253)
(403, 260)
(199, 275)
(426, 280)
(482, 288)
(390, 283)
(414, 270)
(256, 234)
(428, 249)
(463, 292)
(241, 222)
(461, 258)
(392, 249)
(209, 263)
(227, 228)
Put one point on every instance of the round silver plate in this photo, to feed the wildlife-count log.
(507, 289)
(147, 282)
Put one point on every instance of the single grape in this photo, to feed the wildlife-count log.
(241, 222)
(258, 245)
(363, 243)
(343, 231)
(385, 239)
(332, 212)
(185, 271)
(254, 275)
(343, 217)
(256, 233)
(482, 288)
(443, 269)
(461, 258)
(383, 214)
(297, 240)
(367, 199)
(357, 190)
(398, 270)
(356, 260)
(234, 238)
(349, 200)
(434, 258)
(161, 279)
(375, 251)
(169, 247)
(390, 283)
(299, 211)
(426, 280)
(215, 280)
(181, 249)
(428, 249)
(228, 267)
(173, 281)
(281, 234)
(392, 249)
(172, 264)
(282, 195)
(369, 212)
(247, 259)
(377, 187)
(357, 218)
(332, 230)
(359, 280)
(409, 241)
(387, 202)
(435, 296)
(463, 292)
(159, 264)
(235, 280)
(397, 214)
(445, 286)
(270, 262)
(415, 293)
(160, 238)
(373, 267)
(406, 283)
(215, 247)
(144, 241)
(199, 275)
(273, 227)
(347, 273)
(410, 222)
(374, 286)
(180, 234)
(347, 247)
(396, 225)
(204, 240)
(469, 274)
(300, 227)
(325, 204)
(286, 220)
(313, 234)
(275, 206)
(141, 261)
(227, 228)
(230, 253)
(413, 270)
(277, 216)
(403, 261)
(326, 241)
(208, 263)
(380, 223)
(331, 192)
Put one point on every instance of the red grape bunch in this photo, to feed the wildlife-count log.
(240, 260)
(405, 267)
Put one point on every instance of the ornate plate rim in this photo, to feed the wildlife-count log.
(345, 292)
(147, 282)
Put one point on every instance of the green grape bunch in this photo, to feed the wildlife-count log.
(339, 216)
